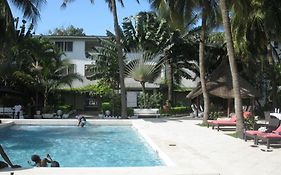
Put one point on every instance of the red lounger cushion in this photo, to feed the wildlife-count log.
(269, 135)
(254, 132)
(232, 119)
(224, 122)
(278, 130)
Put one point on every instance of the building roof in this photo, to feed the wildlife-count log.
(220, 84)
(86, 37)
(130, 83)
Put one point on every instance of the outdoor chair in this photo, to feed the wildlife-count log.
(272, 125)
(219, 123)
(226, 122)
(197, 111)
(268, 138)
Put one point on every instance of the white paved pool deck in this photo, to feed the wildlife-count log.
(194, 150)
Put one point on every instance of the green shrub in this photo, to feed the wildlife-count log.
(130, 111)
(149, 101)
(214, 115)
(106, 106)
(176, 110)
(65, 108)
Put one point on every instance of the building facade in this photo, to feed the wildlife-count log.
(77, 50)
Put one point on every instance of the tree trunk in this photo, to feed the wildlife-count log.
(120, 61)
(36, 100)
(170, 82)
(233, 68)
(202, 66)
(143, 86)
(271, 69)
(45, 100)
(143, 91)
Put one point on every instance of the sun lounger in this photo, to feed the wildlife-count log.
(268, 138)
(227, 122)
(219, 123)
(272, 125)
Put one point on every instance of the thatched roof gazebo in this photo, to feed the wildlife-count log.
(219, 84)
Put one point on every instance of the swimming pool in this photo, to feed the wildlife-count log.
(91, 146)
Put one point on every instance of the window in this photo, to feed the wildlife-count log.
(68, 46)
(88, 70)
(59, 45)
(64, 46)
(70, 69)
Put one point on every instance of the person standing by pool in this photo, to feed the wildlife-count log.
(7, 160)
(17, 109)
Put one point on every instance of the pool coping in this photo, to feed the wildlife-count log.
(73, 122)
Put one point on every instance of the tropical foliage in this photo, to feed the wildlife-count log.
(34, 66)
(146, 68)
(147, 100)
(106, 62)
(68, 31)
(149, 32)
(45, 69)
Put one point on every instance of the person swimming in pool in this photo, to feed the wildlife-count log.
(81, 120)
(43, 162)
(7, 160)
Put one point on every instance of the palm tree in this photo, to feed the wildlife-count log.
(179, 14)
(184, 10)
(152, 33)
(145, 68)
(209, 8)
(44, 69)
(233, 67)
(30, 9)
(106, 62)
(113, 9)
(256, 24)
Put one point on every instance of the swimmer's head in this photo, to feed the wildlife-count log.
(35, 158)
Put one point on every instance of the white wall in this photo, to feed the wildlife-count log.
(77, 56)
(78, 50)
(132, 99)
(80, 65)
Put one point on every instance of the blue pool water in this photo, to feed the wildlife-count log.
(91, 146)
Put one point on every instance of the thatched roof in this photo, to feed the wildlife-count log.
(220, 84)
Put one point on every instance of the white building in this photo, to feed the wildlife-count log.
(77, 49)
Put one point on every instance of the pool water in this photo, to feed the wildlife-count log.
(91, 146)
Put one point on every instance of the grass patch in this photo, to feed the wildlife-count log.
(202, 125)
(233, 135)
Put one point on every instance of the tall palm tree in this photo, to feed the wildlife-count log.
(233, 67)
(209, 16)
(178, 14)
(256, 24)
(184, 10)
(113, 9)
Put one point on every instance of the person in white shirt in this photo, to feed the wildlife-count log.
(17, 109)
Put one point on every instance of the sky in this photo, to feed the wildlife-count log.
(95, 19)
